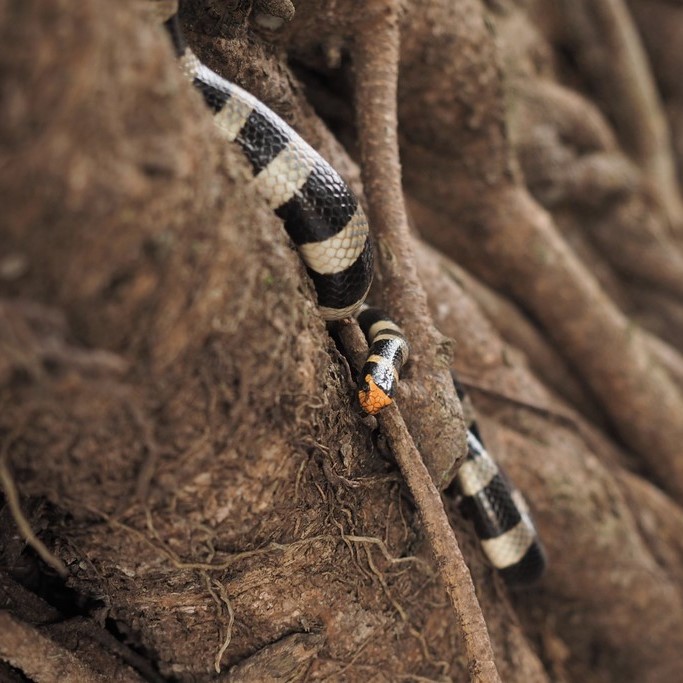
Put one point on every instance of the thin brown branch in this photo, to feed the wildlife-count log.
(449, 560)
(12, 495)
(435, 416)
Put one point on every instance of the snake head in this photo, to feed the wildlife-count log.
(376, 392)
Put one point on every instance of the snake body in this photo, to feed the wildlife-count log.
(320, 212)
(500, 515)
(326, 223)
(498, 510)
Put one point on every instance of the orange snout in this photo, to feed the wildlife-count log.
(373, 399)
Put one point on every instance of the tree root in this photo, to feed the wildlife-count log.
(639, 396)
(511, 324)
(660, 23)
(570, 159)
(287, 658)
(23, 525)
(449, 561)
(43, 660)
(573, 471)
(611, 55)
(494, 228)
(435, 420)
(661, 314)
(232, 374)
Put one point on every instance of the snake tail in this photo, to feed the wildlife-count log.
(501, 516)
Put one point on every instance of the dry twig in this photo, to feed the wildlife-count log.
(449, 560)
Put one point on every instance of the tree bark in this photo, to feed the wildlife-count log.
(190, 491)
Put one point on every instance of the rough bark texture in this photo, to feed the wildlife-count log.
(177, 426)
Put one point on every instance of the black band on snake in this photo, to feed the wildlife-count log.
(327, 224)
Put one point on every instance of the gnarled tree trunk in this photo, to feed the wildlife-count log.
(190, 491)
